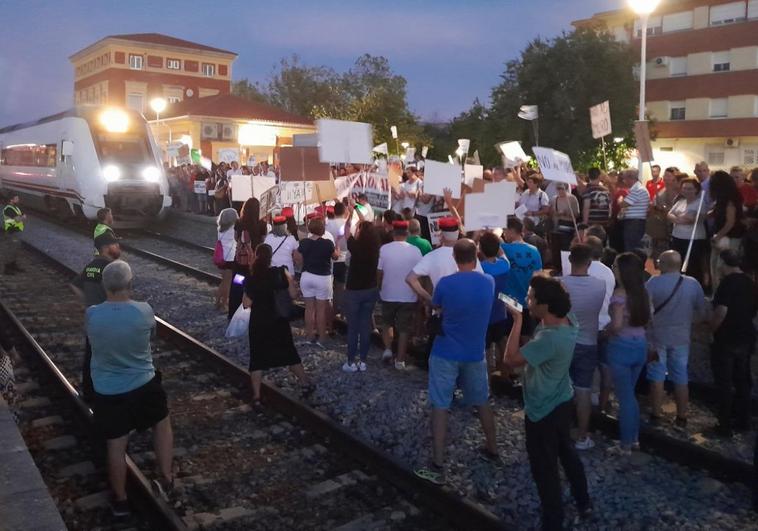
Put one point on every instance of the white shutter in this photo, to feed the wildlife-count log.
(678, 21)
(719, 107)
(678, 66)
(727, 13)
(653, 22)
(752, 9)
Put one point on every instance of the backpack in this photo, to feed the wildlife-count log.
(218, 255)
(244, 253)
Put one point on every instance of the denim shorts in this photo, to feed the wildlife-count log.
(583, 366)
(444, 374)
(672, 360)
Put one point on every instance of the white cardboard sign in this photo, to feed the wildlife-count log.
(600, 118)
(199, 187)
(242, 187)
(554, 165)
(435, 233)
(490, 209)
(341, 141)
(438, 176)
(261, 184)
(294, 192)
(471, 172)
(513, 153)
(229, 155)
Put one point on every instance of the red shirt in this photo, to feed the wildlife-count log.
(654, 187)
(749, 195)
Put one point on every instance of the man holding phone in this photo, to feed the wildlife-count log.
(547, 396)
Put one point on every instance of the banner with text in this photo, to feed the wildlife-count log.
(554, 165)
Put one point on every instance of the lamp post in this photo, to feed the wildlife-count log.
(643, 8)
(159, 105)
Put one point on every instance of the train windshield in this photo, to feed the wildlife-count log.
(123, 150)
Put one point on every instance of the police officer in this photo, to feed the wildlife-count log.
(104, 223)
(13, 226)
(89, 287)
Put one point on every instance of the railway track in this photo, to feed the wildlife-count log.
(283, 467)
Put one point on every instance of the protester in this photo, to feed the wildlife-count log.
(363, 205)
(360, 291)
(683, 215)
(726, 216)
(221, 191)
(495, 264)
(627, 347)
(678, 302)
(457, 358)
(634, 209)
(88, 286)
(128, 390)
(283, 243)
(415, 239)
(289, 214)
(532, 238)
(408, 192)
(536, 202)
(734, 307)
(587, 295)
(315, 254)
(396, 261)
(658, 226)
(747, 191)
(564, 208)
(547, 397)
(225, 222)
(335, 226)
(270, 334)
(13, 226)
(249, 232)
(655, 184)
(525, 260)
(596, 200)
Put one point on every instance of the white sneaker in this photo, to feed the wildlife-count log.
(362, 366)
(584, 444)
(349, 367)
(400, 365)
(386, 355)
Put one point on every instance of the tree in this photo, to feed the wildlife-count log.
(304, 90)
(244, 89)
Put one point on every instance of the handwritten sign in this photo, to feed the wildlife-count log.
(200, 187)
(554, 165)
(268, 200)
(600, 118)
(292, 193)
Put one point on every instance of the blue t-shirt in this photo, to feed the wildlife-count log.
(119, 334)
(498, 270)
(525, 261)
(466, 301)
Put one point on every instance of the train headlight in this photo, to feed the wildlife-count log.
(111, 173)
(115, 120)
(151, 174)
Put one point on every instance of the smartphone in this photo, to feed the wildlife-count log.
(511, 302)
(239, 279)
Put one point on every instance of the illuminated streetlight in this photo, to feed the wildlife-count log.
(618, 139)
(405, 145)
(644, 7)
(158, 105)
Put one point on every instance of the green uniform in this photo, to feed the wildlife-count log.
(12, 230)
(10, 212)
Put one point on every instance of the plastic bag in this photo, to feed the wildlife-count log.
(239, 323)
(218, 255)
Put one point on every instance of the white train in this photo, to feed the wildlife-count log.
(84, 159)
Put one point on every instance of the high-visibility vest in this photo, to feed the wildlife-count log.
(9, 222)
(100, 229)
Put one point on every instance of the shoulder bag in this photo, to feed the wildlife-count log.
(282, 300)
(244, 253)
(671, 296)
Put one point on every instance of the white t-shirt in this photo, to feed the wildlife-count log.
(603, 272)
(282, 257)
(439, 263)
(228, 243)
(533, 203)
(336, 227)
(423, 209)
(684, 231)
(396, 260)
(409, 199)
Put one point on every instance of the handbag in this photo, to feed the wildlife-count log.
(282, 301)
(218, 255)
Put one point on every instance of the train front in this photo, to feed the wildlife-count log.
(137, 188)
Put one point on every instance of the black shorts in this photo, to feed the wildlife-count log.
(139, 409)
(339, 272)
(498, 331)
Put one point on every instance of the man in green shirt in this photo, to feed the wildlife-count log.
(415, 239)
(547, 396)
(104, 222)
(13, 226)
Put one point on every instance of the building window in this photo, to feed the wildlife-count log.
(654, 26)
(678, 66)
(135, 101)
(678, 110)
(135, 62)
(678, 21)
(209, 70)
(752, 9)
(174, 99)
(721, 61)
(716, 158)
(750, 156)
(173, 64)
(727, 13)
(719, 108)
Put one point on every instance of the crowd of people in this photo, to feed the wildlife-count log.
(478, 303)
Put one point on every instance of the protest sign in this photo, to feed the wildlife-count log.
(376, 187)
(644, 147)
(490, 209)
(302, 164)
(554, 165)
(600, 119)
(292, 193)
(325, 190)
(342, 141)
(262, 183)
(513, 153)
(435, 233)
(242, 187)
(268, 200)
(410, 155)
(471, 172)
(199, 187)
(229, 155)
(381, 149)
(438, 176)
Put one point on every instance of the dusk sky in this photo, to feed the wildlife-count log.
(449, 51)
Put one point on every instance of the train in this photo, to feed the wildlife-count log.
(86, 158)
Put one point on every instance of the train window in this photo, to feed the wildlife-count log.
(127, 151)
(36, 155)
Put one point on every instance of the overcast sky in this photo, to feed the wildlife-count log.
(449, 51)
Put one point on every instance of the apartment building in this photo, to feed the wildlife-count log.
(702, 84)
(132, 69)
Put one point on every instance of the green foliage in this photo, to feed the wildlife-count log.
(244, 89)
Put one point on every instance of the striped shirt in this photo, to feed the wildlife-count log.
(638, 200)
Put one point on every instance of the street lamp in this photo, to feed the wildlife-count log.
(643, 8)
(158, 105)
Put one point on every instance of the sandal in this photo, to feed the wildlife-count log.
(433, 474)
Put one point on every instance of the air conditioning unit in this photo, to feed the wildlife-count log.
(732, 142)
(661, 61)
(209, 131)
(227, 132)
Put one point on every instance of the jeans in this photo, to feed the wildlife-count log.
(626, 357)
(359, 307)
(731, 373)
(634, 230)
(547, 442)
